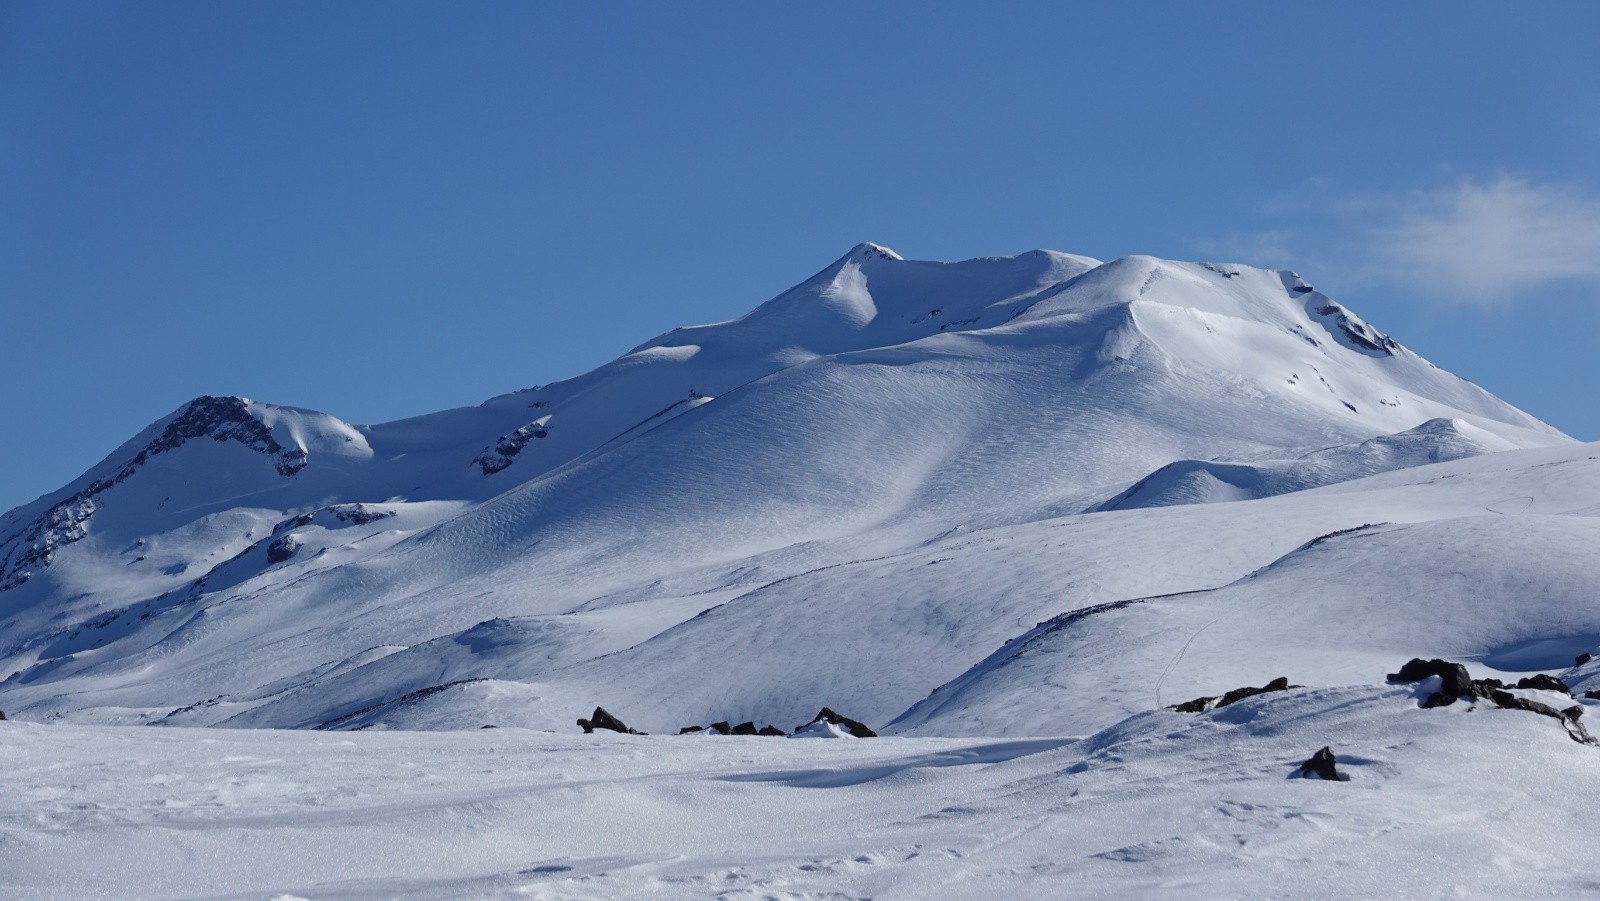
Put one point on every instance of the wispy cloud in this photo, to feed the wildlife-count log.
(1489, 241)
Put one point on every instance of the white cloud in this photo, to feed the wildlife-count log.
(1487, 242)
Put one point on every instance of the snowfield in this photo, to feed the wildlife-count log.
(1005, 511)
(1443, 802)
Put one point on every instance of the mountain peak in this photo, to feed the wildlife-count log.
(867, 250)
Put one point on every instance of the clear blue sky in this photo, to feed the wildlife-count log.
(385, 209)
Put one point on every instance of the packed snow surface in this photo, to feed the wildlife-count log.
(1444, 802)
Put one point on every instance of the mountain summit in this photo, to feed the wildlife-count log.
(249, 564)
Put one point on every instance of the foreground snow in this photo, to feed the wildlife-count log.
(1438, 802)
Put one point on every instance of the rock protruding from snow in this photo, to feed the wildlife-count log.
(507, 446)
(1544, 682)
(1209, 702)
(282, 548)
(827, 715)
(221, 419)
(601, 719)
(821, 729)
(721, 727)
(1568, 717)
(1322, 764)
(1455, 681)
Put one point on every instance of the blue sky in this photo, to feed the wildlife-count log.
(385, 209)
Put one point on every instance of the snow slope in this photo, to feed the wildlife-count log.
(849, 496)
(1007, 511)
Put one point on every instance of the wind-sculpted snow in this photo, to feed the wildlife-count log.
(1438, 803)
(849, 496)
(1211, 481)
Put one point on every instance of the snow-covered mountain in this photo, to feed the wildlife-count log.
(855, 495)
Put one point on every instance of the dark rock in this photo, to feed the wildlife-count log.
(1321, 764)
(773, 731)
(600, 719)
(688, 730)
(1592, 695)
(745, 728)
(1583, 658)
(359, 514)
(1238, 694)
(507, 447)
(488, 727)
(721, 728)
(1214, 702)
(854, 727)
(2, 714)
(218, 418)
(1454, 678)
(1568, 717)
(304, 519)
(1545, 682)
(282, 548)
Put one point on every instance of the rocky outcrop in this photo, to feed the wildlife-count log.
(1215, 702)
(507, 446)
(1355, 333)
(722, 728)
(218, 418)
(1457, 684)
(600, 719)
(1544, 682)
(1568, 717)
(854, 727)
(282, 548)
(1455, 681)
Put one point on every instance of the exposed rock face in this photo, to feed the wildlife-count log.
(1322, 764)
(1356, 333)
(282, 548)
(854, 727)
(1581, 659)
(772, 731)
(217, 418)
(506, 447)
(1210, 702)
(744, 728)
(600, 719)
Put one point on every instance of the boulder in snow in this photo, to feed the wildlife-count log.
(1322, 764)
(600, 719)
